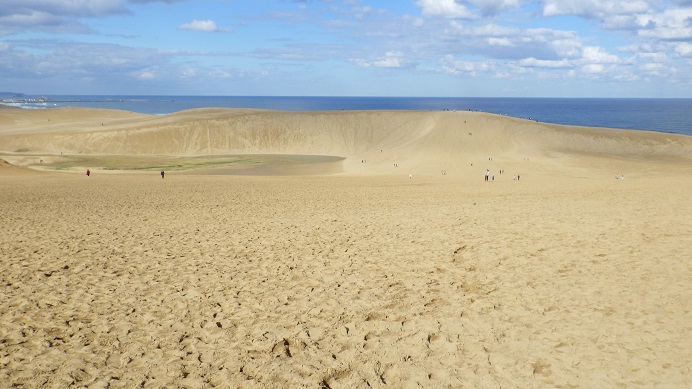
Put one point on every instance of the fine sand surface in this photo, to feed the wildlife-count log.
(341, 250)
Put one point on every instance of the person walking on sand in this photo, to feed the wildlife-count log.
(162, 174)
(88, 173)
(487, 174)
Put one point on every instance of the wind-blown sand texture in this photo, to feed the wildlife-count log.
(341, 250)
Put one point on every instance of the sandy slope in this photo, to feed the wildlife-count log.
(369, 278)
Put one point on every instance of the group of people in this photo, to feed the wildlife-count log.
(502, 171)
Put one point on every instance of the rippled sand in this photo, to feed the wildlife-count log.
(405, 269)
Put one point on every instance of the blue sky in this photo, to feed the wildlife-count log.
(484, 48)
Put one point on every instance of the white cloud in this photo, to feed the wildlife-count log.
(360, 12)
(493, 30)
(611, 14)
(465, 9)
(653, 67)
(454, 66)
(40, 59)
(202, 25)
(593, 68)
(656, 69)
(75, 8)
(188, 73)
(684, 49)
(494, 7)
(538, 63)
(501, 42)
(449, 9)
(642, 17)
(32, 17)
(391, 59)
(566, 45)
(672, 24)
(596, 9)
(417, 22)
(223, 74)
(145, 75)
(592, 61)
(653, 56)
(593, 54)
(58, 16)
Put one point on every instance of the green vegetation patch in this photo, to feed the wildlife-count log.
(145, 163)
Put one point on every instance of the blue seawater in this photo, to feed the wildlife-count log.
(661, 115)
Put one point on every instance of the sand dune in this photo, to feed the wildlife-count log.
(348, 277)
(425, 142)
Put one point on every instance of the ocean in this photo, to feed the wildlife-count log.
(661, 115)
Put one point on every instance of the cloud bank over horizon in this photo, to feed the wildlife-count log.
(522, 48)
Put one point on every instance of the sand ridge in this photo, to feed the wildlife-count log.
(425, 142)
